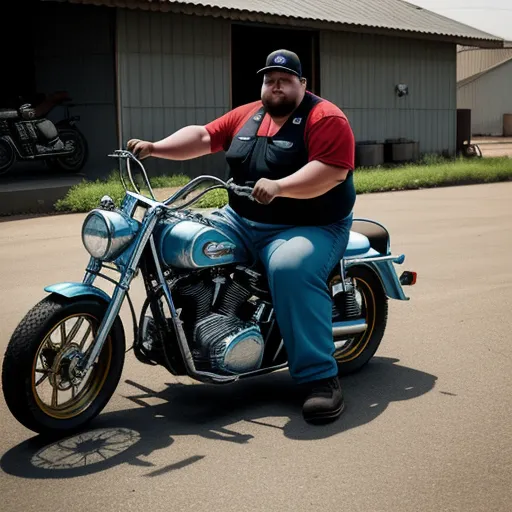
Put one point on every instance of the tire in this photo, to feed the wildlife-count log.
(75, 161)
(31, 345)
(7, 156)
(362, 348)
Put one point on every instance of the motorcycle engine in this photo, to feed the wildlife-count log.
(222, 336)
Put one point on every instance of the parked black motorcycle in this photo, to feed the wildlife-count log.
(25, 134)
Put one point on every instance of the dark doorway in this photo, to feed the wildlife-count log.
(250, 46)
(18, 86)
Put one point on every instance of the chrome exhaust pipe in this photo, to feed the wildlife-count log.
(343, 329)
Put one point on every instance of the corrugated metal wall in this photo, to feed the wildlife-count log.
(359, 73)
(474, 60)
(174, 70)
(489, 97)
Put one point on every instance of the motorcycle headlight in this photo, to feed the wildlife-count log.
(105, 234)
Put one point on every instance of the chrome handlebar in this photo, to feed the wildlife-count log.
(127, 156)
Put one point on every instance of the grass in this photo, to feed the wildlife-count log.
(431, 171)
(86, 195)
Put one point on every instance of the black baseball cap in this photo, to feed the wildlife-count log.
(283, 60)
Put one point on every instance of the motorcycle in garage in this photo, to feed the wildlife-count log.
(27, 135)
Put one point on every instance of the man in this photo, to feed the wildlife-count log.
(298, 150)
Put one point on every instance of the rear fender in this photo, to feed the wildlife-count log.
(387, 276)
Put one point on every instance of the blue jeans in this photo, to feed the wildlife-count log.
(298, 261)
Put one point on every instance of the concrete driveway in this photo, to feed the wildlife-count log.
(494, 146)
(427, 425)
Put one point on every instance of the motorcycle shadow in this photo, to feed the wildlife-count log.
(131, 436)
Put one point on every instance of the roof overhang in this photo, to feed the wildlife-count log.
(254, 16)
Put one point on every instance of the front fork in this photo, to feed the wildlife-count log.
(144, 237)
(120, 291)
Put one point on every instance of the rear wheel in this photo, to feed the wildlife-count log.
(357, 350)
(40, 386)
(75, 161)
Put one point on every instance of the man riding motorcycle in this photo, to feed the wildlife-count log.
(298, 149)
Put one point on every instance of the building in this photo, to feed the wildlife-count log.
(145, 68)
(484, 85)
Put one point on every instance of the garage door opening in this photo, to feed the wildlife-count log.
(250, 46)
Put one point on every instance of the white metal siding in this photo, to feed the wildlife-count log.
(359, 73)
(174, 70)
(489, 97)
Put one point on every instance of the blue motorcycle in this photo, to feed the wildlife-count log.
(207, 313)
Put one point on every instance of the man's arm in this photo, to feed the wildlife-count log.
(189, 142)
(312, 180)
(193, 141)
(331, 148)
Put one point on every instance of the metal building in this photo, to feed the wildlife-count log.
(146, 68)
(484, 85)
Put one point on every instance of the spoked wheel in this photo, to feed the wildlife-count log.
(372, 305)
(41, 386)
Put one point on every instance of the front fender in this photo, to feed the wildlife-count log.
(71, 290)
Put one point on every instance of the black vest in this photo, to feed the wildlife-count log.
(251, 157)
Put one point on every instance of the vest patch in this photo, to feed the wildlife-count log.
(286, 144)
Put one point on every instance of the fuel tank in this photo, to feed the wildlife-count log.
(191, 244)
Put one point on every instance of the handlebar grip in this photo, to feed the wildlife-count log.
(242, 191)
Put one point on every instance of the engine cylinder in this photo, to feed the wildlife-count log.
(231, 298)
(227, 344)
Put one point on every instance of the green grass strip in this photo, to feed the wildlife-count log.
(430, 172)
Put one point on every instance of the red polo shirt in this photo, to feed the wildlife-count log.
(328, 135)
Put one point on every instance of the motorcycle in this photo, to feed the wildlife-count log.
(207, 313)
(26, 135)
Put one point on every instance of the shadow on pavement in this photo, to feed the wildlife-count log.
(132, 435)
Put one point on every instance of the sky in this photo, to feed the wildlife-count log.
(492, 16)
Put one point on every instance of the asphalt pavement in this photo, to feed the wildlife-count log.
(428, 423)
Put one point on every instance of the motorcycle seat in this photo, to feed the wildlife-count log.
(376, 235)
(8, 113)
(358, 244)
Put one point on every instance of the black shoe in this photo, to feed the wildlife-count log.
(325, 401)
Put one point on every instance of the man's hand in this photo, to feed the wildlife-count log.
(140, 148)
(265, 190)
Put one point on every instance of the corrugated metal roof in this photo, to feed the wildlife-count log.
(395, 15)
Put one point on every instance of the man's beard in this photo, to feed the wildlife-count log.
(281, 109)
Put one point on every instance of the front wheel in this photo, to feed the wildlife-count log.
(355, 351)
(40, 387)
